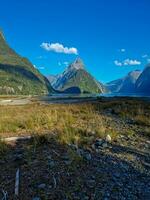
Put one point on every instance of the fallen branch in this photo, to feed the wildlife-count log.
(11, 139)
(5, 195)
(17, 183)
(55, 183)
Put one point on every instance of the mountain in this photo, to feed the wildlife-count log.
(52, 79)
(143, 82)
(75, 76)
(18, 75)
(125, 84)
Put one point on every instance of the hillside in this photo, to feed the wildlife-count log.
(18, 75)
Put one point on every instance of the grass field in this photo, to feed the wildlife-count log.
(63, 161)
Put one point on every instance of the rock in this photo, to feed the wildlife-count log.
(87, 156)
(108, 138)
(65, 157)
(68, 162)
(98, 142)
(36, 198)
(90, 183)
(2, 162)
(80, 152)
(74, 146)
(51, 163)
(18, 157)
(92, 133)
(49, 157)
(105, 145)
(42, 186)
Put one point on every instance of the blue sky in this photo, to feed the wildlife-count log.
(111, 36)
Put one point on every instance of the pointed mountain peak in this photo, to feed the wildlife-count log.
(77, 64)
(135, 73)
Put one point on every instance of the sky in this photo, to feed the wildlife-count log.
(112, 37)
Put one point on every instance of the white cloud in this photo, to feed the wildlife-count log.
(131, 62)
(117, 63)
(122, 50)
(145, 56)
(59, 48)
(127, 62)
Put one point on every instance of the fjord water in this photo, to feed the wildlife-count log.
(72, 98)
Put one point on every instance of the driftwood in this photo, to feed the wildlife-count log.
(17, 182)
(55, 183)
(5, 195)
(11, 139)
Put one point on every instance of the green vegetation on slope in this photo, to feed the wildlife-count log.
(84, 81)
(18, 75)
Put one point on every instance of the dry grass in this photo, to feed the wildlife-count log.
(71, 123)
(80, 123)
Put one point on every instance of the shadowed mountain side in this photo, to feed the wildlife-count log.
(18, 75)
(143, 82)
(125, 84)
(72, 90)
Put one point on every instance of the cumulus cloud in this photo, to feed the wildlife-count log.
(127, 62)
(122, 50)
(59, 48)
(131, 62)
(117, 63)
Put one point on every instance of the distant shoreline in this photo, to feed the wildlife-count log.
(62, 99)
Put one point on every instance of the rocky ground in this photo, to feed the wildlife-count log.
(104, 169)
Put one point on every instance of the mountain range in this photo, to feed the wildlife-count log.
(137, 82)
(19, 77)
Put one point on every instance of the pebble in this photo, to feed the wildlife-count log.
(51, 163)
(104, 145)
(90, 183)
(108, 138)
(98, 142)
(42, 186)
(87, 156)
